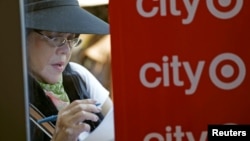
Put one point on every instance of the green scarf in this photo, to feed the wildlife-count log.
(57, 89)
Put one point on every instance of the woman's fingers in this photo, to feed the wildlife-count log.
(70, 121)
(79, 111)
(71, 126)
(78, 118)
(83, 105)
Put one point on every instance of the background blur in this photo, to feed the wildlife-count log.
(94, 50)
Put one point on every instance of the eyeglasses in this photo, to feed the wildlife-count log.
(60, 41)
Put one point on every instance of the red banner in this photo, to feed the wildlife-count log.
(179, 65)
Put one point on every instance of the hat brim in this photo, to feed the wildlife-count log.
(70, 19)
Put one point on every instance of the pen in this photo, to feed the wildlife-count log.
(54, 117)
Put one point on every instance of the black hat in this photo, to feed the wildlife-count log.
(62, 16)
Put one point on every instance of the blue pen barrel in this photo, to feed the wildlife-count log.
(48, 119)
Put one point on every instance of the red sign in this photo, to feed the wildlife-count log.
(179, 65)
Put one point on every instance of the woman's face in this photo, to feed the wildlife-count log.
(46, 61)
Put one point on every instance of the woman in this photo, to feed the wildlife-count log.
(57, 86)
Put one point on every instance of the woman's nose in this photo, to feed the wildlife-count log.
(65, 49)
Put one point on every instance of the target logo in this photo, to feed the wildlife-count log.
(224, 9)
(227, 71)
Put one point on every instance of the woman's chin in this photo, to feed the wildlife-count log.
(53, 79)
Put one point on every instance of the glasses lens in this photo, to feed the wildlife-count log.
(58, 41)
(74, 42)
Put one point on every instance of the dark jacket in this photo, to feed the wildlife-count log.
(75, 88)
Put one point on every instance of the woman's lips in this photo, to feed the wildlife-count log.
(59, 67)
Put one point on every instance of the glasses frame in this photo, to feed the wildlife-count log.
(64, 41)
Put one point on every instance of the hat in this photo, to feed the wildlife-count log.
(62, 16)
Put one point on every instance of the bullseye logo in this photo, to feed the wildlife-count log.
(222, 11)
(227, 71)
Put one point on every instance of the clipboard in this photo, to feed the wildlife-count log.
(104, 132)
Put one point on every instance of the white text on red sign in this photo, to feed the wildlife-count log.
(191, 8)
(193, 75)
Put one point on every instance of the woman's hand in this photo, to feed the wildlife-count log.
(70, 119)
